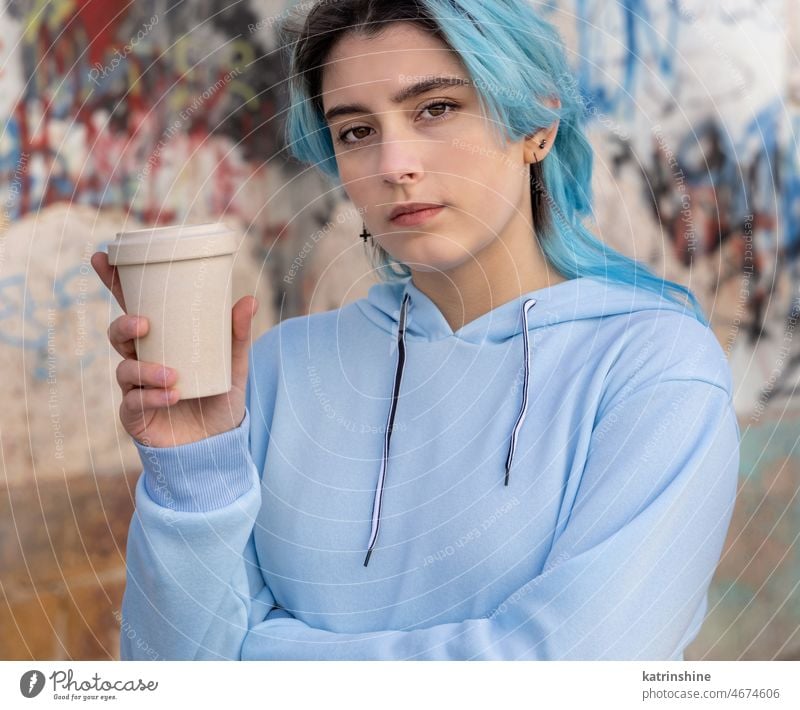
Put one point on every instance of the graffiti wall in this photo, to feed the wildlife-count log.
(118, 115)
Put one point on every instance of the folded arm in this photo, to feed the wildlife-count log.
(626, 578)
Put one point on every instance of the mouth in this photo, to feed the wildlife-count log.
(414, 213)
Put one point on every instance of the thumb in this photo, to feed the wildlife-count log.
(241, 319)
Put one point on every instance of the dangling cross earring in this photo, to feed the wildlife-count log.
(364, 233)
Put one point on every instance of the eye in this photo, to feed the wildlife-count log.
(342, 135)
(433, 106)
(438, 105)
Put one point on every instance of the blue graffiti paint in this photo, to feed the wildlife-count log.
(612, 89)
(10, 158)
(17, 304)
(17, 301)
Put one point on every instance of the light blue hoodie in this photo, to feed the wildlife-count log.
(557, 483)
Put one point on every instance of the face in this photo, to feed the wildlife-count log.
(400, 141)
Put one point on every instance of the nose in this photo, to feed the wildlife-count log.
(400, 159)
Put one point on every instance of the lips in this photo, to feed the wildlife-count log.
(412, 207)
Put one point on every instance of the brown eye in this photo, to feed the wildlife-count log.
(438, 110)
(343, 135)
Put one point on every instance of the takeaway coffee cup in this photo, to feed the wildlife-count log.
(179, 278)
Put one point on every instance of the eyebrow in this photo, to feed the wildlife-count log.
(404, 94)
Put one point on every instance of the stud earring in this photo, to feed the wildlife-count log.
(541, 145)
(364, 233)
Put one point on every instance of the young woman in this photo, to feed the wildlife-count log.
(519, 445)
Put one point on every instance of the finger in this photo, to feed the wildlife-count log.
(109, 276)
(139, 401)
(132, 374)
(122, 332)
(242, 317)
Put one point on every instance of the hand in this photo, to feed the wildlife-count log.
(151, 410)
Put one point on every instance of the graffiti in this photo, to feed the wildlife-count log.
(102, 85)
(721, 181)
(707, 194)
(29, 323)
(610, 74)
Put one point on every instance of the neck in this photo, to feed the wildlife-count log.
(500, 272)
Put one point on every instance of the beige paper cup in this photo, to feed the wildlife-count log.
(179, 278)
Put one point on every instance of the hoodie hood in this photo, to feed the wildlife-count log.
(400, 308)
(571, 300)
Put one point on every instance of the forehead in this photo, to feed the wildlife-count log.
(401, 54)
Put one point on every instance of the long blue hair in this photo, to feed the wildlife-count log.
(516, 59)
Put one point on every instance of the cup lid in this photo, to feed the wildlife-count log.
(172, 243)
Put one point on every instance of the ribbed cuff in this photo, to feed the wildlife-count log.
(201, 476)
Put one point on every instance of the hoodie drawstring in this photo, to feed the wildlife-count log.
(526, 367)
(401, 359)
(398, 375)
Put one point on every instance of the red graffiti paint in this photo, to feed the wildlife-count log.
(100, 20)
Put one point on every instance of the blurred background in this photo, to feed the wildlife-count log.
(121, 114)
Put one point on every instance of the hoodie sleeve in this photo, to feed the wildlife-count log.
(627, 575)
(194, 585)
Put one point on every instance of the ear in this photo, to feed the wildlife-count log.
(538, 145)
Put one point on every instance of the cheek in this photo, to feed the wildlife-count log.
(355, 181)
(481, 167)
(348, 172)
(488, 184)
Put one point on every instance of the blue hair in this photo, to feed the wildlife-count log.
(516, 59)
